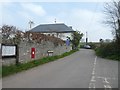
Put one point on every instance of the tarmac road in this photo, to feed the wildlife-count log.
(82, 69)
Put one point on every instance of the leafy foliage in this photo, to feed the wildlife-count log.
(108, 50)
(111, 50)
(92, 45)
(76, 37)
(11, 34)
(112, 11)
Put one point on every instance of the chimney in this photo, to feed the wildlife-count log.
(70, 27)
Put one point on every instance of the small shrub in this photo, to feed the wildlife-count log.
(108, 50)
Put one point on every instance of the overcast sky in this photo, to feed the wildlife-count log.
(82, 16)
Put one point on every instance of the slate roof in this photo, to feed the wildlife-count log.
(52, 28)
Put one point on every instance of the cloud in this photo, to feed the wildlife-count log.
(11, 12)
(84, 20)
(51, 19)
(0, 14)
(25, 15)
(90, 21)
(79, 18)
(34, 9)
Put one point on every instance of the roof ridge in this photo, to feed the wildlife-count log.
(57, 27)
(52, 24)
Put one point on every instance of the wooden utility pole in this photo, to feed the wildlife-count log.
(86, 38)
(55, 20)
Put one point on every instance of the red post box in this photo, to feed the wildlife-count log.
(32, 52)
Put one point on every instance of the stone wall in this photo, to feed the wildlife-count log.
(41, 51)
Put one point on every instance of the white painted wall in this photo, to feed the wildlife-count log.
(62, 36)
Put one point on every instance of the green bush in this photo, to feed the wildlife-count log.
(108, 50)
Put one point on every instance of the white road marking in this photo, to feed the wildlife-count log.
(112, 78)
(93, 72)
(100, 77)
(94, 69)
(107, 86)
(105, 80)
(93, 79)
(95, 59)
(92, 85)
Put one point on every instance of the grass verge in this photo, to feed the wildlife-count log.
(8, 70)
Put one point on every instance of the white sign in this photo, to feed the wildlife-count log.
(8, 50)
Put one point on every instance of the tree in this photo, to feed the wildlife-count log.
(11, 34)
(112, 10)
(101, 41)
(76, 37)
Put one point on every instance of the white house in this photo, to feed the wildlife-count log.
(59, 30)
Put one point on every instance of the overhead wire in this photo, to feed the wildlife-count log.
(90, 22)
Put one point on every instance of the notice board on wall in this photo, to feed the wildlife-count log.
(8, 50)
